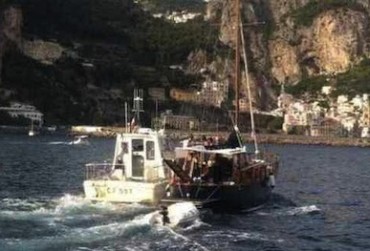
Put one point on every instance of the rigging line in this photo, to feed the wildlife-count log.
(236, 129)
(253, 128)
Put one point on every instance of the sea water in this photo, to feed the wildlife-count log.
(321, 202)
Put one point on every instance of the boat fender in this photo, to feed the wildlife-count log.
(271, 181)
(164, 213)
(168, 191)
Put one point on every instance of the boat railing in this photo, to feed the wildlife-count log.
(265, 157)
(98, 171)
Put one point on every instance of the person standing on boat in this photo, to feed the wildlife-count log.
(191, 164)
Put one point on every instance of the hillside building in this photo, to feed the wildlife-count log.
(24, 110)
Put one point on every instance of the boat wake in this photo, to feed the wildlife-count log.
(289, 211)
(312, 209)
(239, 236)
(66, 143)
(59, 143)
(72, 221)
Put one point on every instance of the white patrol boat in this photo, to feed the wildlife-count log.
(136, 175)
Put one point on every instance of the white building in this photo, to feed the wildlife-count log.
(326, 90)
(213, 93)
(23, 110)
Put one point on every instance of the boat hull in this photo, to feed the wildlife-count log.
(222, 197)
(124, 191)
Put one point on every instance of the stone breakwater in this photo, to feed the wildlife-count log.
(308, 140)
(262, 138)
(285, 139)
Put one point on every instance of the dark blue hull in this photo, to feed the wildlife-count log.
(222, 197)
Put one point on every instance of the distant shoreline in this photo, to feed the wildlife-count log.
(285, 139)
(281, 139)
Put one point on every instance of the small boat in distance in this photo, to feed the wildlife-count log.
(136, 175)
(80, 140)
(32, 131)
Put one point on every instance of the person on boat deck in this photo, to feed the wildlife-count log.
(191, 139)
(232, 141)
(204, 140)
(190, 165)
(188, 162)
(117, 172)
(206, 170)
(210, 142)
(220, 170)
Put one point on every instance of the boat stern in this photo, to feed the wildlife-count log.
(125, 192)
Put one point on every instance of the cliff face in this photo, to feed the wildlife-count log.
(336, 40)
(78, 61)
(76, 53)
(300, 38)
(10, 29)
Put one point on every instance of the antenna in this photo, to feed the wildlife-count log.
(138, 103)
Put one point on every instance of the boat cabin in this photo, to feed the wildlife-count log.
(198, 164)
(138, 156)
(136, 175)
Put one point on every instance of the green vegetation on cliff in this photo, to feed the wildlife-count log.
(304, 16)
(111, 46)
(352, 82)
(311, 86)
(173, 5)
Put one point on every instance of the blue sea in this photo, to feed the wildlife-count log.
(321, 202)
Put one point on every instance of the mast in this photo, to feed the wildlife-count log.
(237, 60)
(138, 103)
(253, 127)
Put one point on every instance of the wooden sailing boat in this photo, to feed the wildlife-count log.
(227, 178)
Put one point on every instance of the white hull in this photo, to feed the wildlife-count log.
(124, 191)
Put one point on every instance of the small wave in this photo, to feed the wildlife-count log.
(196, 225)
(184, 238)
(312, 209)
(303, 210)
(78, 236)
(66, 208)
(237, 236)
(58, 143)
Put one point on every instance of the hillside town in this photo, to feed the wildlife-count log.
(329, 117)
(342, 116)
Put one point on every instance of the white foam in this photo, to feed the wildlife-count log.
(239, 236)
(76, 236)
(186, 239)
(68, 207)
(58, 143)
(303, 210)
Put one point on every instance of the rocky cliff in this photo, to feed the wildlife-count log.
(78, 61)
(10, 29)
(83, 57)
(299, 38)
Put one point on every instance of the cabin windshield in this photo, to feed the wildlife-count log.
(137, 145)
(150, 150)
(137, 158)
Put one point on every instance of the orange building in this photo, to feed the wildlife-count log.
(182, 95)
